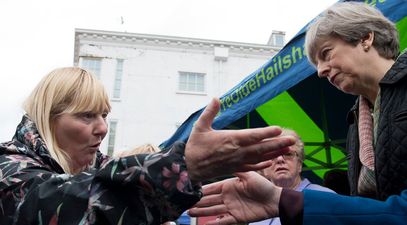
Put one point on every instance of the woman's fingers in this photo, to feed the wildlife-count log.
(254, 167)
(271, 145)
(207, 211)
(251, 136)
(255, 154)
(214, 188)
(210, 200)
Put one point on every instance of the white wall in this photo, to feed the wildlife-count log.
(150, 106)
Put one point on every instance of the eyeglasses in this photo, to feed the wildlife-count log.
(287, 156)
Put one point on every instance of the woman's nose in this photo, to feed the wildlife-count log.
(322, 69)
(100, 126)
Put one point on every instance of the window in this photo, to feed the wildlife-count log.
(112, 137)
(118, 79)
(191, 82)
(92, 64)
(279, 40)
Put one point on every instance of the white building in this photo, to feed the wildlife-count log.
(155, 82)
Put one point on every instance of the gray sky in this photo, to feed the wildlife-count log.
(38, 36)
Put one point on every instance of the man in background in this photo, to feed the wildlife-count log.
(285, 171)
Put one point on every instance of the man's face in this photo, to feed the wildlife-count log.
(285, 169)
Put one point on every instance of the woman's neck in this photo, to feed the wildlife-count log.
(379, 69)
(290, 183)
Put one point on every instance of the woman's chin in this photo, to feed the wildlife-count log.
(87, 163)
(347, 89)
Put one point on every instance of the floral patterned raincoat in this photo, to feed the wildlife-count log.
(142, 189)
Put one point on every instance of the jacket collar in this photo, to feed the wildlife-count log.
(397, 71)
(27, 141)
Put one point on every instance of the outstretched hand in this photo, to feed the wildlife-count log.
(211, 153)
(247, 198)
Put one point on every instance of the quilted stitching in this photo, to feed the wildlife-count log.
(391, 149)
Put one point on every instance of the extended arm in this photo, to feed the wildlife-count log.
(250, 198)
(327, 208)
(149, 189)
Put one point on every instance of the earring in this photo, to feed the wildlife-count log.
(366, 48)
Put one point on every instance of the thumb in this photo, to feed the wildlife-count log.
(205, 120)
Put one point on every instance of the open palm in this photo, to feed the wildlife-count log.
(246, 198)
(210, 153)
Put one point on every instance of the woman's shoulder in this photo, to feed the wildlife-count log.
(316, 187)
(15, 155)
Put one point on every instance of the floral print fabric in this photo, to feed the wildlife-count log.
(140, 189)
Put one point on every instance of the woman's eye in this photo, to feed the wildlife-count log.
(87, 115)
(104, 115)
(325, 53)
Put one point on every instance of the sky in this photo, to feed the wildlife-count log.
(38, 36)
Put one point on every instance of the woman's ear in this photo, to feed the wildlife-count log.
(367, 41)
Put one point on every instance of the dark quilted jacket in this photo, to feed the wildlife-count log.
(391, 146)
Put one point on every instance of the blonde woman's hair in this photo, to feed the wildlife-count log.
(64, 90)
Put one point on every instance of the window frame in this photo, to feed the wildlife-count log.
(111, 139)
(199, 86)
(118, 79)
